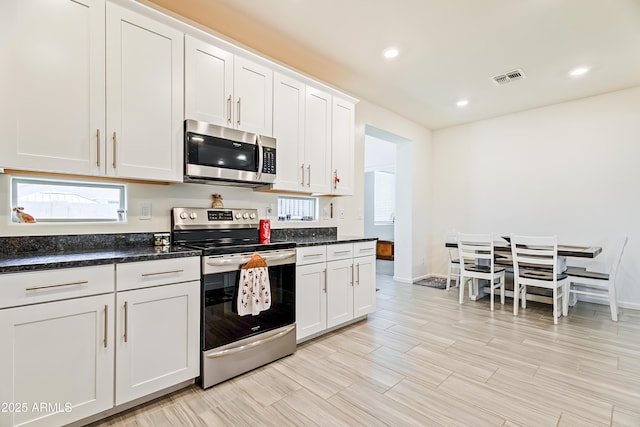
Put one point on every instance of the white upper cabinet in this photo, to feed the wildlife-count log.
(342, 148)
(226, 89)
(144, 97)
(52, 102)
(64, 109)
(317, 144)
(288, 129)
(208, 83)
(253, 90)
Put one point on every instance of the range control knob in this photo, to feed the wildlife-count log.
(183, 215)
(245, 215)
(238, 215)
(253, 215)
(193, 215)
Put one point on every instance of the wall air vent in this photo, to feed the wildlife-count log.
(503, 79)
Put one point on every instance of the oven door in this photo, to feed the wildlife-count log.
(221, 323)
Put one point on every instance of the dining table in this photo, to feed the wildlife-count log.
(503, 258)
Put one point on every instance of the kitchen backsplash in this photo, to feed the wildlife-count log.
(320, 233)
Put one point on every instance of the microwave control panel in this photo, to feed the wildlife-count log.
(269, 160)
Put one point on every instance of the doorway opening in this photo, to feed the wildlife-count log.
(381, 193)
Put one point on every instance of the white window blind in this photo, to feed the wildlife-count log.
(384, 197)
(297, 209)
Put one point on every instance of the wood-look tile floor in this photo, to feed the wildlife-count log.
(424, 360)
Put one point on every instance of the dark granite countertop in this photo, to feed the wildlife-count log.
(319, 241)
(40, 261)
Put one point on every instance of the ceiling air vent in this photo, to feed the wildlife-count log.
(503, 79)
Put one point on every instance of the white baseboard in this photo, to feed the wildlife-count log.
(402, 279)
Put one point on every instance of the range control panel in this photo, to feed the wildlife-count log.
(214, 218)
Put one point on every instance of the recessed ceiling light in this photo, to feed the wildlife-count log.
(578, 71)
(462, 103)
(390, 53)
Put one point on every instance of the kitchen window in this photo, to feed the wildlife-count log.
(49, 200)
(297, 208)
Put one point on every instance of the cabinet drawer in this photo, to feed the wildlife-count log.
(145, 274)
(32, 287)
(364, 248)
(340, 251)
(311, 255)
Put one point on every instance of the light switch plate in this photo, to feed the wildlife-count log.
(145, 210)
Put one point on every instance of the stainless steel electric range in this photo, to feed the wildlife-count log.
(232, 344)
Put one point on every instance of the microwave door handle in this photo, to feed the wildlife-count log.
(260, 157)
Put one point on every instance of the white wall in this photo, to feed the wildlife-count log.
(412, 228)
(570, 169)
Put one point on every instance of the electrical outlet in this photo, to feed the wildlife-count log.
(341, 213)
(145, 210)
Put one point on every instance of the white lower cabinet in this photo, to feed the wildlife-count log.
(157, 339)
(311, 291)
(64, 338)
(157, 325)
(56, 358)
(334, 286)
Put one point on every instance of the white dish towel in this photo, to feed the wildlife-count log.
(254, 293)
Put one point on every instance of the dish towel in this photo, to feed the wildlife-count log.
(254, 294)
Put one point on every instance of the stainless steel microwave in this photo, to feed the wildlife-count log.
(219, 155)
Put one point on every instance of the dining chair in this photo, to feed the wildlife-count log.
(453, 266)
(535, 263)
(583, 281)
(476, 261)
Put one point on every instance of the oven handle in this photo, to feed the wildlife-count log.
(251, 345)
(218, 262)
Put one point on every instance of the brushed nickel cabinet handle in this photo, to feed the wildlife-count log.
(351, 266)
(229, 109)
(59, 285)
(302, 170)
(162, 272)
(335, 179)
(98, 147)
(126, 320)
(106, 324)
(238, 121)
(115, 140)
(324, 282)
(358, 279)
(309, 171)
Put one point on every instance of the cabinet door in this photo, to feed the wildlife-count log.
(59, 354)
(364, 289)
(342, 149)
(157, 336)
(339, 292)
(317, 144)
(52, 85)
(253, 92)
(311, 299)
(288, 129)
(208, 83)
(144, 97)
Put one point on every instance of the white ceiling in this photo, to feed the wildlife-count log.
(449, 49)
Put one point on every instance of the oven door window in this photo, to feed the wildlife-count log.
(221, 153)
(222, 324)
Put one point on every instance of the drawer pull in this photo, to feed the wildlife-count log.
(366, 250)
(59, 285)
(162, 272)
(341, 252)
(312, 255)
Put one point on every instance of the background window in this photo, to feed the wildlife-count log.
(384, 197)
(297, 208)
(49, 200)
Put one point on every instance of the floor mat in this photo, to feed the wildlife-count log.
(434, 282)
